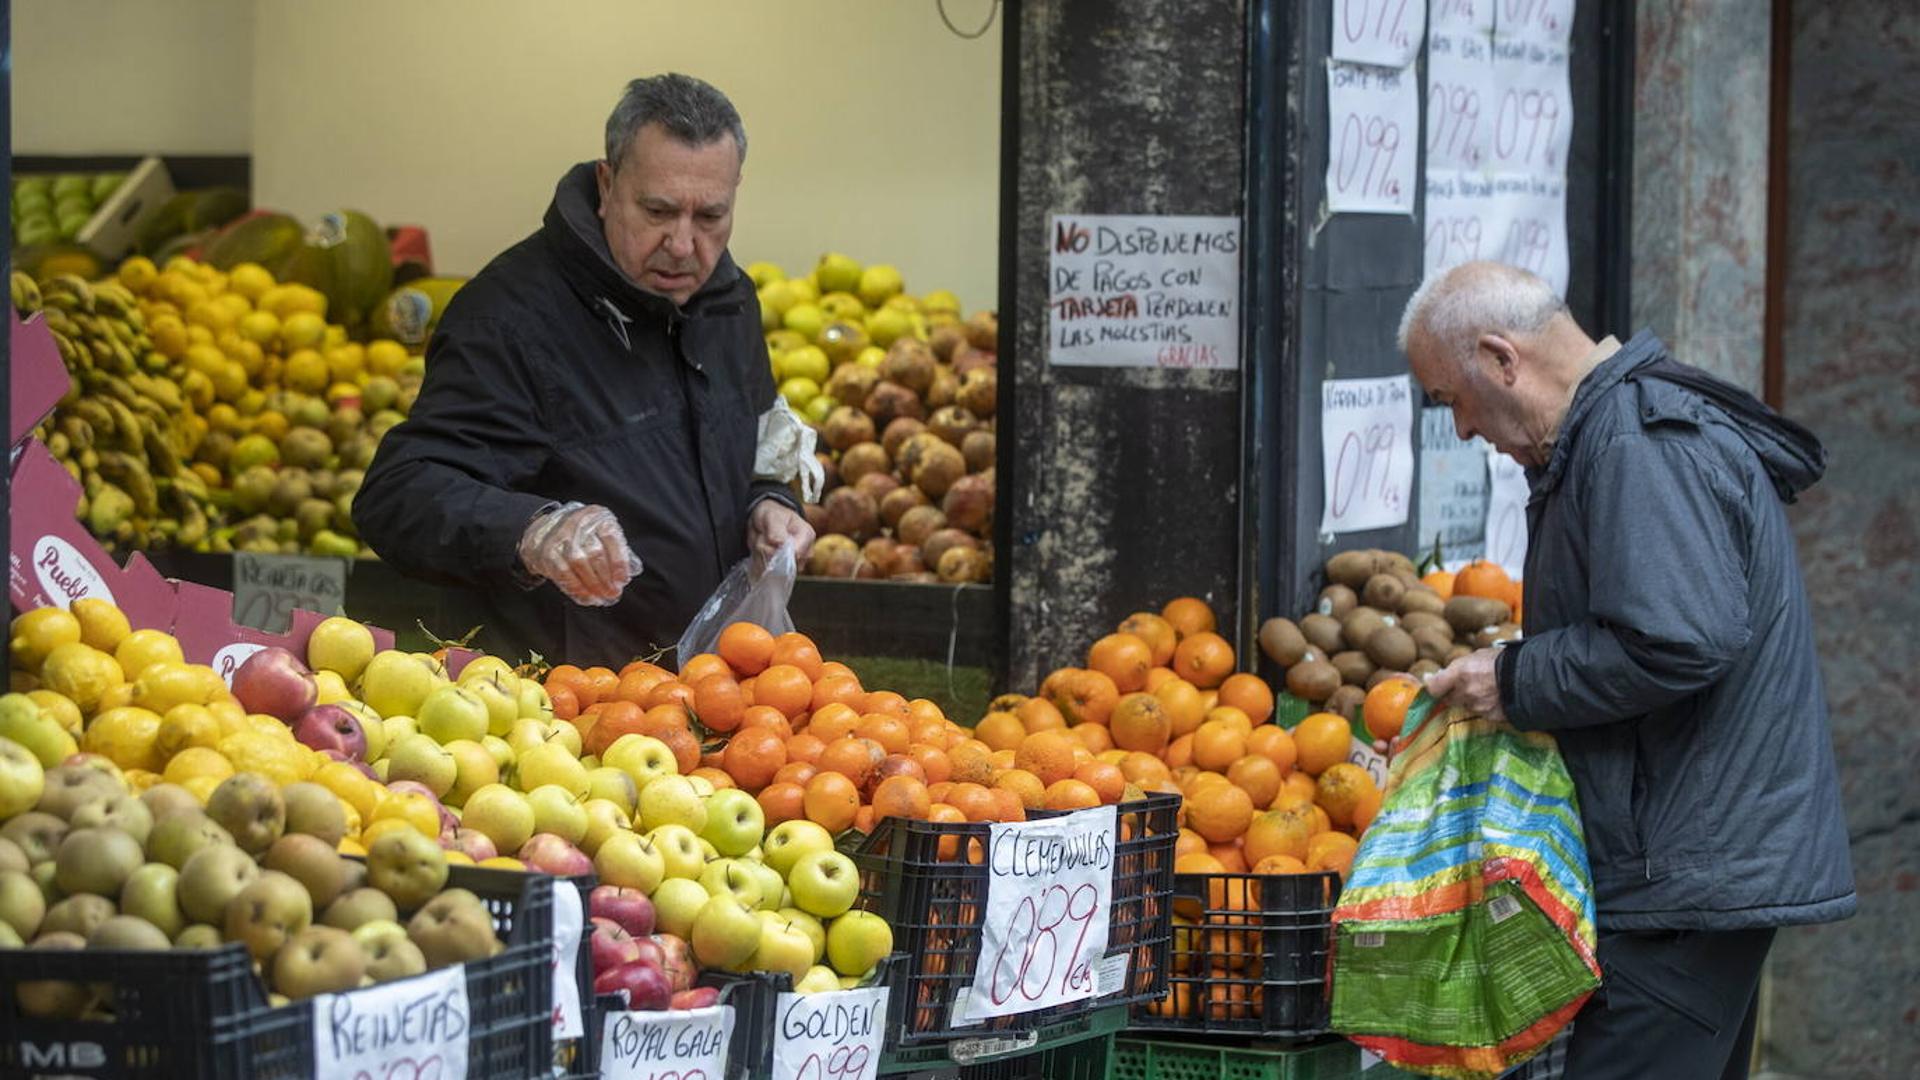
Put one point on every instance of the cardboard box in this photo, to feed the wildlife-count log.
(111, 231)
(38, 379)
(203, 623)
(55, 561)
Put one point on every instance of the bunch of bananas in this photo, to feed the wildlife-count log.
(123, 429)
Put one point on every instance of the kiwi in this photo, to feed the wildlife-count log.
(1353, 666)
(1456, 652)
(1392, 562)
(1337, 600)
(1345, 701)
(1432, 644)
(1424, 620)
(1322, 632)
(1392, 648)
(1423, 668)
(1282, 642)
(1353, 568)
(1383, 675)
(1469, 614)
(1312, 680)
(1383, 591)
(1359, 625)
(1419, 598)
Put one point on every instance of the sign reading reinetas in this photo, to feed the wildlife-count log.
(1140, 291)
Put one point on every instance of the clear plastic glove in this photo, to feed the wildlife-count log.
(582, 550)
(771, 524)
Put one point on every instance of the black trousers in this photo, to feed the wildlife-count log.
(1672, 1005)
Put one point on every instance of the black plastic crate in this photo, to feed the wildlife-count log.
(1254, 960)
(204, 1013)
(926, 879)
(753, 996)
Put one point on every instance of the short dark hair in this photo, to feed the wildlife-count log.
(691, 110)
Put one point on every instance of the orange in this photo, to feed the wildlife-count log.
(831, 801)
(1322, 739)
(1279, 832)
(1385, 710)
(1440, 581)
(1097, 739)
(972, 763)
(1007, 805)
(571, 678)
(1183, 704)
(1188, 615)
(718, 702)
(603, 681)
(833, 720)
(1107, 781)
(932, 760)
(1188, 842)
(691, 672)
(1038, 714)
(752, 757)
(717, 777)
(1000, 730)
(901, 796)
(949, 846)
(1483, 579)
(797, 650)
(1139, 721)
(794, 772)
(784, 687)
(746, 647)
(1218, 744)
(1200, 863)
(835, 667)
(1366, 808)
(686, 746)
(932, 732)
(1296, 790)
(885, 701)
(668, 692)
(1003, 759)
(1203, 659)
(852, 757)
(1157, 632)
(1047, 755)
(1157, 675)
(1331, 851)
(1250, 694)
(1144, 769)
(805, 747)
(863, 819)
(1071, 794)
(1219, 811)
(1275, 743)
(635, 685)
(1179, 752)
(1033, 793)
(886, 729)
(937, 791)
(1279, 864)
(924, 711)
(1230, 857)
(1085, 696)
(973, 800)
(1338, 791)
(1231, 717)
(1258, 776)
(829, 689)
(565, 705)
(1124, 658)
(611, 721)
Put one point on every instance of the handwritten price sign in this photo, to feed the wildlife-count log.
(1547, 22)
(1373, 128)
(1507, 513)
(1366, 441)
(1049, 903)
(1460, 100)
(1532, 120)
(267, 588)
(567, 926)
(414, 1029)
(1386, 33)
(687, 1044)
(830, 1036)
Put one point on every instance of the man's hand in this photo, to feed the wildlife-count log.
(771, 524)
(1471, 684)
(583, 551)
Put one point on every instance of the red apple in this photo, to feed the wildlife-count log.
(678, 962)
(330, 727)
(275, 682)
(629, 907)
(551, 854)
(476, 844)
(611, 946)
(697, 998)
(646, 985)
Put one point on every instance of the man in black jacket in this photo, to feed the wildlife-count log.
(581, 460)
(1668, 649)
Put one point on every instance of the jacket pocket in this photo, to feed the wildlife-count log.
(1603, 765)
(1672, 805)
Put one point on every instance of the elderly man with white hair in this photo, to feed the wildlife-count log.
(1669, 649)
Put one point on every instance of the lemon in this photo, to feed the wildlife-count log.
(169, 335)
(138, 273)
(306, 371)
(202, 787)
(351, 815)
(60, 707)
(126, 736)
(281, 761)
(459, 858)
(269, 725)
(350, 786)
(144, 648)
(349, 846)
(342, 391)
(230, 381)
(101, 624)
(186, 727)
(195, 762)
(139, 780)
(38, 632)
(235, 306)
(116, 697)
(167, 683)
(381, 827)
(216, 317)
(272, 424)
(301, 330)
(412, 807)
(385, 356)
(251, 357)
(80, 672)
(347, 363)
(503, 862)
(233, 718)
(260, 327)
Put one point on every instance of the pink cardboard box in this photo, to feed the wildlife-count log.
(203, 623)
(39, 377)
(55, 561)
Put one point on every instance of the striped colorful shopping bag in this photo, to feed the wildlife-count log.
(1464, 938)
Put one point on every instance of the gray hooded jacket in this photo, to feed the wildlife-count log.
(1669, 648)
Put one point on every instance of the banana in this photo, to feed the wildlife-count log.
(71, 288)
(89, 459)
(60, 322)
(108, 510)
(98, 417)
(25, 294)
(77, 356)
(131, 475)
(126, 426)
(57, 444)
(78, 433)
(190, 486)
(160, 454)
(114, 300)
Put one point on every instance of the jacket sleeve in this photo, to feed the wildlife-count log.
(444, 500)
(1666, 573)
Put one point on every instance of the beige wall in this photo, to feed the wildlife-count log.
(872, 129)
(121, 77)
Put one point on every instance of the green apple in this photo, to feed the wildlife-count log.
(605, 819)
(836, 272)
(393, 729)
(394, 683)
(856, 941)
(152, 893)
(773, 890)
(481, 668)
(97, 861)
(630, 861)
(735, 821)
(551, 763)
(791, 839)
(22, 904)
(341, 646)
(39, 731)
(783, 947)
(725, 934)
(330, 688)
(453, 712)
(671, 800)
(558, 811)
(816, 930)
(474, 768)
(452, 928)
(128, 932)
(23, 778)
(502, 813)
(406, 866)
(728, 876)
(676, 903)
(824, 883)
(819, 979)
(642, 757)
(680, 848)
(500, 694)
(175, 838)
(122, 812)
(314, 811)
(270, 909)
(708, 852)
(319, 960)
(197, 936)
(390, 953)
(805, 362)
(501, 751)
(609, 783)
(212, 877)
(885, 327)
(702, 786)
(534, 701)
(423, 759)
(311, 861)
(358, 907)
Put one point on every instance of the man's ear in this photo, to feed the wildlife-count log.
(603, 177)
(1506, 356)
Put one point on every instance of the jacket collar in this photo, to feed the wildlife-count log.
(1642, 349)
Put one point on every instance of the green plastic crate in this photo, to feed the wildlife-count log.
(1166, 1059)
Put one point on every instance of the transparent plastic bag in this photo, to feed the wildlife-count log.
(744, 595)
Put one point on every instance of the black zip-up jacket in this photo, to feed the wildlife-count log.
(554, 378)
